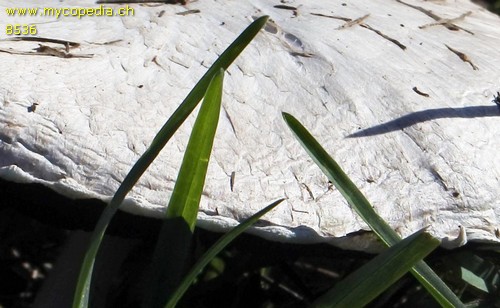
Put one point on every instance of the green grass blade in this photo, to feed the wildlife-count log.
(365, 284)
(342, 182)
(170, 261)
(189, 184)
(213, 251)
(434, 285)
(81, 297)
(171, 255)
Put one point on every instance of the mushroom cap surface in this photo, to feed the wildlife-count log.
(402, 101)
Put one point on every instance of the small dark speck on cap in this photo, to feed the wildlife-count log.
(32, 108)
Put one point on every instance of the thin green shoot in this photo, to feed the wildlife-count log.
(171, 255)
(214, 250)
(434, 285)
(366, 283)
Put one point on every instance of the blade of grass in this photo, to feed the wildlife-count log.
(478, 271)
(81, 298)
(434, 285)
(189, 184)
(171, 253)
(365, 284)
(213, 251)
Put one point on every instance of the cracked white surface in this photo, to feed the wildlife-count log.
(419, 160)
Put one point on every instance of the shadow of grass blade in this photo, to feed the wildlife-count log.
(172, 249)
(434, 285)
(365, 284)
(213, 251)
(81, 297)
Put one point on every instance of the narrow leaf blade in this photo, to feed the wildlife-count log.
(191, 179)
(342, 182)
(214, 250)
(434, 285)
(365, 284)
(174, 241)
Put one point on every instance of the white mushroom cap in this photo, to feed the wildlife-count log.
(403, 104)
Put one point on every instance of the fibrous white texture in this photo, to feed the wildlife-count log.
(400, 93)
